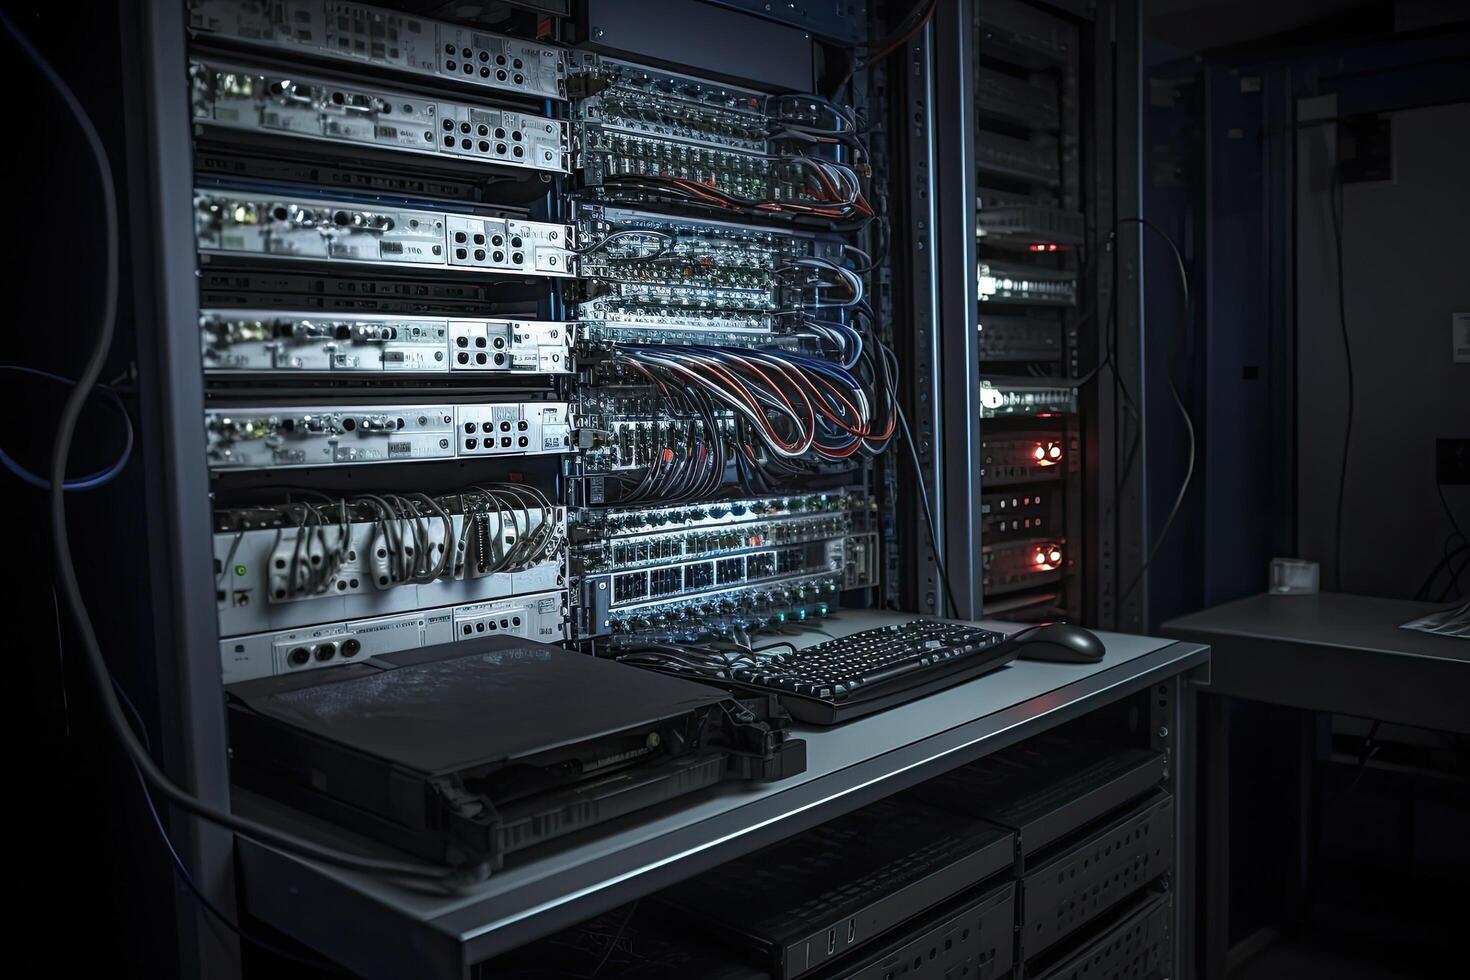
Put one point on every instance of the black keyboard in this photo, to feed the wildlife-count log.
(854, 675)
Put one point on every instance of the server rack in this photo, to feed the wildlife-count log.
(1022, 157)
(934, 190)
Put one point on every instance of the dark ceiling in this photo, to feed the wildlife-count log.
(1212, 25)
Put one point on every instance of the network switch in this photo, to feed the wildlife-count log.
(265, 103)
(276, 437)
(539, 616)
(1014, 565)
(616, 540)
(1002, 398)
(1022, 457)
(1029, 160)
(1033, 228)
(722, 612)
(267, 341)
(284, 290)
(257, 225)
(1023, 35)
(1021, 513)
(759, 587)
(385, 39)
(1016, 100)
(1035, 335)
(1008, 282)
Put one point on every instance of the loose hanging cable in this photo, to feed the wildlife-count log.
(97, 672)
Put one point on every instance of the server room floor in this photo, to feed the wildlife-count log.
(1311, 957)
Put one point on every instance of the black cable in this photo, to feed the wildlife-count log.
(1449, 512)
(924, 11)
(908, 438)
(1448, 556)
(1336, 203)
(613, 944)
(1178, 402)
(1452, 587)
(71, 591)
(183, 871)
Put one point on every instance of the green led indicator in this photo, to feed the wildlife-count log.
(240, 570)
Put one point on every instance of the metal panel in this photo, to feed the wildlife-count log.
(719, 43)
(956, 329)
(1131, 449)
(1088, 879)
(1135, 949)
(916, 115)
(841, 20)
(171, 407)
(865, 760)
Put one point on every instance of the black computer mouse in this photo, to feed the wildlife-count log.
(1059, 643)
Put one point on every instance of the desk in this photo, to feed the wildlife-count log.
(384, 930)
(1328, 652)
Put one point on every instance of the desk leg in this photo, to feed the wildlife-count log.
(1214, 824)
(1173, 719)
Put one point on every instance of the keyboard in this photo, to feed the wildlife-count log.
(854, 675)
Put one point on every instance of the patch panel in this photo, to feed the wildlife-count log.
(294, 565)
(1006, 282)
(1022, 457)
(635, 443)
(261, 102)
(640, 131)
(663, 279)
(672, 578)
(266, 341)
(1020, 513)
(719, 613)
(1005, 398)
(385, 39)
(617, 553)
(720, 514)
(541, 616)
(270, 438)
(1015, 565)
(1035, 335)
(245, 225)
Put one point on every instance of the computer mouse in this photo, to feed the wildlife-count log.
(1059, 643)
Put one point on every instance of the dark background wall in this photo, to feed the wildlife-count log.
(1406, 270)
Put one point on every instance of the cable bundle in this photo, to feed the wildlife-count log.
(404, 537)
(832, 189)
(797, 405)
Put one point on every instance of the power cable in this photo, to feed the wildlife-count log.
(90, 481)
(71, 591)
(1178, 403)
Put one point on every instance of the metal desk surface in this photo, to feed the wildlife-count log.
(380, 928)
(1335, 652)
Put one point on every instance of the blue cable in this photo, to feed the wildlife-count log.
(91, 481)
(183, 869)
